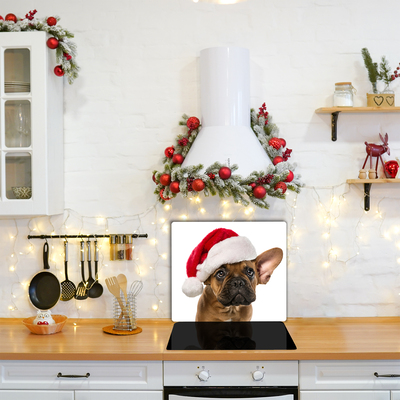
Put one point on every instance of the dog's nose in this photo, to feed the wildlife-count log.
(237, 282)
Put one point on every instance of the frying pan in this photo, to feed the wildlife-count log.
(45, 288)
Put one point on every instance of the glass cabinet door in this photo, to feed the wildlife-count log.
(17, 67)
(17, 123)
(18, 176)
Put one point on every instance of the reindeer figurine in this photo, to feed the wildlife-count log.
(376, 150)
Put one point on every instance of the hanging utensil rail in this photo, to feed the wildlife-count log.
(134, 236)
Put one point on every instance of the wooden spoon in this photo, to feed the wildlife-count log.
(123, 284)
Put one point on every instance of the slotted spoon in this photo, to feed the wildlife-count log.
(68, 288)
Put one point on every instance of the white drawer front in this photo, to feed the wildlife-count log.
(35, 395)
(237, 373)
(118, 395)
(345, 395)
(123, 375)
(349, 375)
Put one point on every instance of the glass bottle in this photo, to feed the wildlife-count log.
(120, 247)
(128, 247)
(343, 95)
(113, 247)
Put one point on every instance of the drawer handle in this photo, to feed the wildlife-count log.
(386, 376)
(60, 375)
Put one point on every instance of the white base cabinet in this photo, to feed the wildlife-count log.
(83, 380)
(345, 380)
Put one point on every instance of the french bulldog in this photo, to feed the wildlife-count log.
(230, 290)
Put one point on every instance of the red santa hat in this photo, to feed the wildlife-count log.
(221, 246)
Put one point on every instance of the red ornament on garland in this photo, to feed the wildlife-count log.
(174, 187)
(58, 70)
(67, 56)
(177, 159)
(198, 185)
(193, 123)
(161, 195)
(391, 168)
(169, 151)
(52, 43)
(11, 17)
(1, 18)
(225, 173)
(290, 177)
(51, 21)
(154, 179)
(275, 143)
(252, 185)
(165, 179)
(281, 185)
(283, 142)
(211, 175)
(277, 160)
(259, 192)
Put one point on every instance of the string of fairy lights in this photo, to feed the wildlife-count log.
(155, 221)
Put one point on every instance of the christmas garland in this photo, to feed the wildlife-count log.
(218, 178)
(65, 48)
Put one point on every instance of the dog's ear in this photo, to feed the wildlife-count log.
(207, 281)
(267, 262)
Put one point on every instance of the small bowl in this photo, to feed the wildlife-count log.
(22, 192)
(60, 321)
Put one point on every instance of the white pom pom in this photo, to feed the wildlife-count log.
(192, 287)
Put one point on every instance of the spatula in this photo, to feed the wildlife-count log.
(68, 288)
(115, 290)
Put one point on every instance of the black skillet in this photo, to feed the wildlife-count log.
(45, 289)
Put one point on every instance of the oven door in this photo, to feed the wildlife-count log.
(230, 393)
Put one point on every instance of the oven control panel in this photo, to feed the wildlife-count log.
(232, 373)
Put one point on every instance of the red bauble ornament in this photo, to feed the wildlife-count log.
(177, 159)
(193, 123)
(169, 151)
(391, 168)
(154, 179)
(289, 177)
(52, 43)
(275, 143)
(51, 21)
(281, 185)
(259, 192)
(165, 179)
(11, 17)
(1, 18)
(277, 160)
(225, 173)
(67, 56)
(58, 70)
(161, 195)
(253, 185)
(283, 142)
(174, 187)
(198, 185)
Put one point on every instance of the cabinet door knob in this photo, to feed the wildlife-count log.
(60, 375)
(386, 376)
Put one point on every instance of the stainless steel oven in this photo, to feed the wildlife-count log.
(211, 380)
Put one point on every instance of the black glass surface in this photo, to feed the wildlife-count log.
(230, 336)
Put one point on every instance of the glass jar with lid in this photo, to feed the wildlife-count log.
(343, 95)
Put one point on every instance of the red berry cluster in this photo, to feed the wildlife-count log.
(189, 184)
(183, 142)
(286, 154)
(396, 73)
(211, 175)
(262, 112)
(30, 15)
(264, 180)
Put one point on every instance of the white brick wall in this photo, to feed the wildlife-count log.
(139, 74)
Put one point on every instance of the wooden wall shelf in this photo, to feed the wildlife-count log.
(367, 187)
(335, 111)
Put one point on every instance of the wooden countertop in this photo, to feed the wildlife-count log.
(315, 338)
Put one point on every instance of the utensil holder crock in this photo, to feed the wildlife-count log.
(124, 312)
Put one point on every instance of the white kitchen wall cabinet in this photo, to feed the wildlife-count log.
(31, 127)
(355, 380)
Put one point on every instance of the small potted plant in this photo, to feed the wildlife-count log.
(377, 73)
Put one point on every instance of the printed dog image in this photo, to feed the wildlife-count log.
(229, 267)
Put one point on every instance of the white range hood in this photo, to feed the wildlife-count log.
(226, 135)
